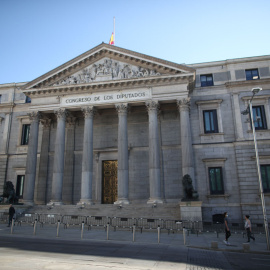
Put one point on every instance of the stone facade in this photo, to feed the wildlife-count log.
(147, 114)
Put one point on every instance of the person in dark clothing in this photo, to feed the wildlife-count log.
(11, 213)
(248, 228)
(227, 229)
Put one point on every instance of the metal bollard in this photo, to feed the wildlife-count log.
(108, 228)
(12, 225)
(158, 233)
(35, 226)
(184, 235)
(82, 230)
(134, 230)
(58, 228)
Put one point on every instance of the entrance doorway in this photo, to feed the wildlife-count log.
(109, 181)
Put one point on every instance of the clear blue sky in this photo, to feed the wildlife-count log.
(40, 35)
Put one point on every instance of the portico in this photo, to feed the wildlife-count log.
(116, 99)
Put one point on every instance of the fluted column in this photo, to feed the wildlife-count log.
(68, 181)
(186, 139)
(122, 173)
(59, 153)
(154, 153)
(87, 159)
(41, 189)
(31, 162)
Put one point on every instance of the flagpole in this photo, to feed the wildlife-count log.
(114, 29)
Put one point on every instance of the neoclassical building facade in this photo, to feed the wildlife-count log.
(116, 127)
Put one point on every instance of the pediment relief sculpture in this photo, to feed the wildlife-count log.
(104, 70)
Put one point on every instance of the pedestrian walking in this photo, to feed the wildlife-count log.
(11, 213)
(248, 228)
(227, 229)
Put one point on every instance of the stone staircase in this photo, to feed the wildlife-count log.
(161, 211)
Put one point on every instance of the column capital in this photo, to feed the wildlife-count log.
(152, 105)
(121, 107)
(34, 116)
(89, 111)
(61, 114)
(70, 121)
(46, 122)
(183, 104)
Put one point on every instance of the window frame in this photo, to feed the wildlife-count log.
(263, 117)
(212, 119)
(25, 134)
(20, 186)
(262, 166)
(216, 191)
(251, 76)
(27, 99)
(206, 83)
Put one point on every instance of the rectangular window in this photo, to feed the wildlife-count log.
(210, 121)
(252, 74)
(19, 186)
(265, 173)
(259, 117)
(0, 99)
(27, 99)
(25, 134)
(216, 180)
(207, 80)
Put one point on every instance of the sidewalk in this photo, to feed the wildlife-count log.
(202, 241)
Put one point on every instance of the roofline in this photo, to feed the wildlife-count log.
(231, 61)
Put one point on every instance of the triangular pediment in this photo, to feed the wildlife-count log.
(108, 64)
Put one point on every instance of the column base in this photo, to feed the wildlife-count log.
(83, 202)
(155, 201)
(55, 203)
(122, 201)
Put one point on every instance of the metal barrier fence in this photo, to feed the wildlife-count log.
(49, 219)
(97, 221)
(149, 223)
(72, 220)
(174, 226)
(26, 219)
(236, 226)
(124, 223)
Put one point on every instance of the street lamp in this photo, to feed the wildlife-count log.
(248, 110)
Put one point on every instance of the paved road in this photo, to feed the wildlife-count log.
(44, 251)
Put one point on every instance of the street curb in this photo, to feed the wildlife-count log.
(232, 250)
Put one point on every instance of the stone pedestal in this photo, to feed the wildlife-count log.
(191, 210)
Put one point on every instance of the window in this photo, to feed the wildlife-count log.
(25, 134)
(207, 80)
(210, 121)
(0, 99)
(265, 173)
(19, 186)
(252, 74)
(216, 180)
(27, 99)
(259, 117)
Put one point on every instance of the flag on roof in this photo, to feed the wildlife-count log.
(111, 42)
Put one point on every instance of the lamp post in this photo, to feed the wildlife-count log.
(245, 112)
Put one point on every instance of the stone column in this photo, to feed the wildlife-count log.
(41, 190)
(31, 162)
(68, 180)
(122, 172)
(87, 159)
(59, 153)
(186, 139)
(154, 153)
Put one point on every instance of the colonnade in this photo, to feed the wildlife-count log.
(87, 157)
